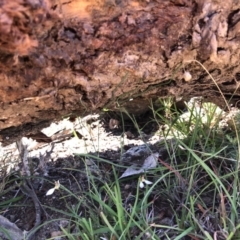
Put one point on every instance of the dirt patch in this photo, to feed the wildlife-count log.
(105, 137)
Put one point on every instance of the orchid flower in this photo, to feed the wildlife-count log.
(51, 191)
(144, 181)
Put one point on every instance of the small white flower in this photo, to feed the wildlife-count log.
(144, 181)
(51, 191)
(141, 185)
(148, 182)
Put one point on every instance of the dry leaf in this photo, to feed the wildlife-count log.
(149, 162)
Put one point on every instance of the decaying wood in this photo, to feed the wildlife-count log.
(63, 57)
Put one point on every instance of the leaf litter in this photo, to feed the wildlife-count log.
(149, 163)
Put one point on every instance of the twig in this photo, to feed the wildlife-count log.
(29, 188)
(10, 229)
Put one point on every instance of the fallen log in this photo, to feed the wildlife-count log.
(61, 58)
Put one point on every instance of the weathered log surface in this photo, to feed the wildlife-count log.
(77, 56)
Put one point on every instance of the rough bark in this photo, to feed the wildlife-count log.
(77, 56)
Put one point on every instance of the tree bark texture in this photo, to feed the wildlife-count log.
(61, 57)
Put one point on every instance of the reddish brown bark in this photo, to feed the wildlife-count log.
(77, 56)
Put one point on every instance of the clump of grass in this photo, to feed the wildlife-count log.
(194, 195)
(103, 213)
(195, 190)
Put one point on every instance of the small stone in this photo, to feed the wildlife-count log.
(187, 76)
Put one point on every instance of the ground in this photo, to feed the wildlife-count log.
(100, 136)
(111, 175)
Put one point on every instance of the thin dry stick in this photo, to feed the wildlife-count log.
(29, 188)
(181, 179)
